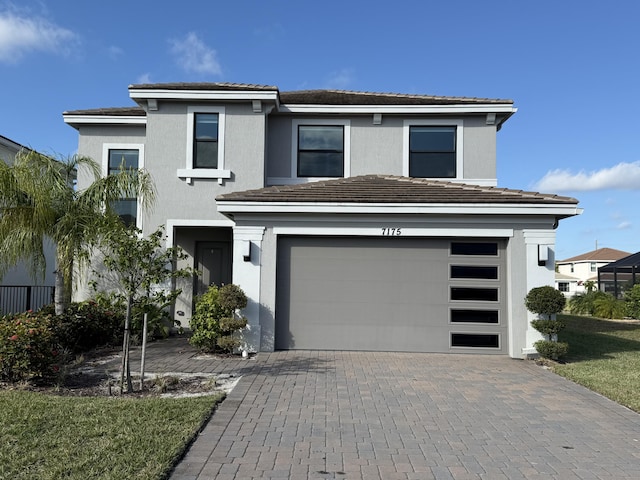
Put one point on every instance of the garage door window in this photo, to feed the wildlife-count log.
(479, 272)
(474, 316)
(475, 248)
(475, 340)
(474, 294)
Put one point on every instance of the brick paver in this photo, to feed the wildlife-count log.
(362, 415)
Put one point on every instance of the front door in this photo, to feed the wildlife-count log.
(213, 260)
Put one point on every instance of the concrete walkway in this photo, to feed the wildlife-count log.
(358, 415)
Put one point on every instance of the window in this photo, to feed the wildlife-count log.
(571, 267)
(474, 294)
(474, 340)
(563, 286)
(205, 140)
(474, 271)
(474, 248)
(320, 149)
(205, 144)
(126, 208)
(433, 149)
(593, 266)
(474, 316)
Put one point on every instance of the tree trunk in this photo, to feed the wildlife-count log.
(125, 370)
(59, 292)
(144, 350)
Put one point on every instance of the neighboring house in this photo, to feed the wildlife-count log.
(352, 220)
(18, 290)
(573, 272)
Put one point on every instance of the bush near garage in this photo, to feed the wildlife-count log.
(28, 347)
(547, 301)
(215, 323)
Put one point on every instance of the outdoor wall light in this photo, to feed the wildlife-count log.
(246, 250)
(543, 255)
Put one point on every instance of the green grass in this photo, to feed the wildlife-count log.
(50, 437)
(604, 356)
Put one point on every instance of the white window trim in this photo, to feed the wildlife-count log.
(105, 166)
(189, 172)
(346, 124)
(407, 124)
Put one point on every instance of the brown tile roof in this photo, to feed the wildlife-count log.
(393, 189)
(202, 86)
(599, 255)
(344, 97)
(108, 112)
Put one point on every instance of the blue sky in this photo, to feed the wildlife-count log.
(570, 66)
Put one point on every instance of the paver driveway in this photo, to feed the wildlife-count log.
(357, 415)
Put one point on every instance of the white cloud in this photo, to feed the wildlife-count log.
(341, 79)
(20, 35)
(623, 225)
(193, 55)
(144, 78)
(624, 176)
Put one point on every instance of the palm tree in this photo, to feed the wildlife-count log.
(39, 201)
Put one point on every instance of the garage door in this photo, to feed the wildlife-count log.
(391, 294)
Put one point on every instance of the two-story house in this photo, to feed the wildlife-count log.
(352, 220)
(572, 273)
(19, 291)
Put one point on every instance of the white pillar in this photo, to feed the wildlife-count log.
(247, 249)
(539, 244)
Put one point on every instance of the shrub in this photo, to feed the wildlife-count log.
(545, 300)
(632, 301)
(584, 303)
(547, 326)
(28, 347)
(551, 350)
(85, 325)
(214, 323)
(608, 306)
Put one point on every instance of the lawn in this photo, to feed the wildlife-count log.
(49, 437)
(604, 356)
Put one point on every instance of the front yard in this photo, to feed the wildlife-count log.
(604, 356)
(51, 437)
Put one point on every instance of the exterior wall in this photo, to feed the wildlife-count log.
(20, 275)
(581, 270)
(378, 149)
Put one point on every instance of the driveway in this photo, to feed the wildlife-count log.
(361, 415)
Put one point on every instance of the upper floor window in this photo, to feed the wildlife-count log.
(433, 149)
(205, 156)
(126, 208)
(593, 267)
(320, 149)
(205, 140)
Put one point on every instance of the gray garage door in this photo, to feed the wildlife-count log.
(391, 294)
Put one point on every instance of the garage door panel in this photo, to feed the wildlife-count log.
(377, 294)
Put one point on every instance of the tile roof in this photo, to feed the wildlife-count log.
(599, 255)
(344, 97)
(393, 189)
(108, 112)
(202, 86)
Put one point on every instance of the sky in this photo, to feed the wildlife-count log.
(572, 68)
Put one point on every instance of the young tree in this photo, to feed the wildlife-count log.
(141, 269)
(39, 201)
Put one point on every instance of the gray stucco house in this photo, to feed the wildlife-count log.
(352, 220)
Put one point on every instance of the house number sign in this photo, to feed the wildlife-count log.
(391, 232)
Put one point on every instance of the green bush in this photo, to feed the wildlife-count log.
(547, 326)
(551, 350)
(545, 300)
(632, 301)
(86, 325)
(28, 347)
(214, 323)
(608, 306)
(584, 303)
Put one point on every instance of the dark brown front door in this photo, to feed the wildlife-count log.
(213, 260)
